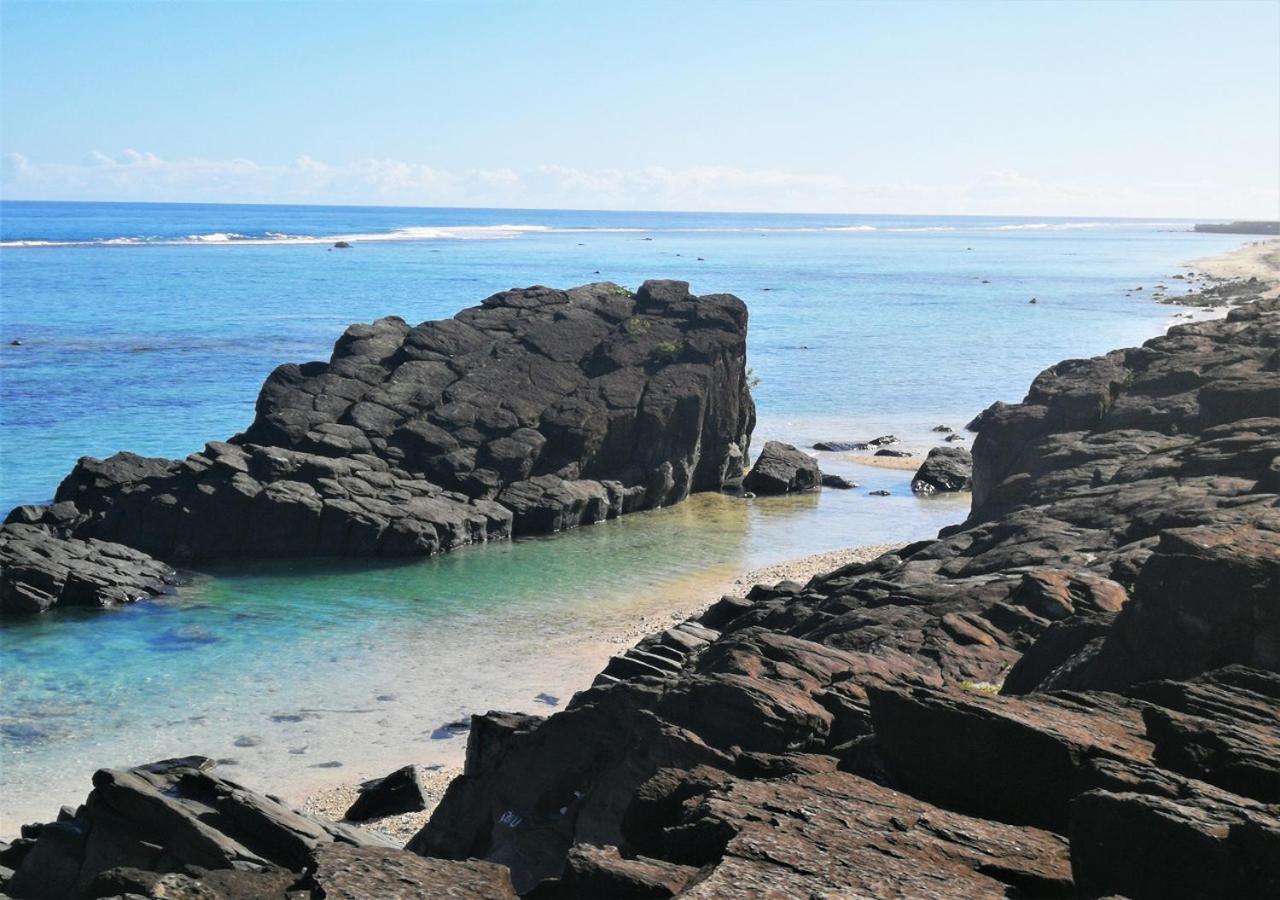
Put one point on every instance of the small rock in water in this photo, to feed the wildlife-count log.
(883, 441)
(385, 698)
(549, 699)
(331, 764)
(1032, 300)
(943, 429)
(952, 438)
(227, 761)
(880, 493)
(247, 740)
(893, 453)
(946, 469)
(341, 245)
(838, 481)
(781, 469)
(16, 342)
(839, 446)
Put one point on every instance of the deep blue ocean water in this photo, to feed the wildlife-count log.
(151, 327)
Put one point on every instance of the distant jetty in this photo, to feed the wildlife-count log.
(1240, 228)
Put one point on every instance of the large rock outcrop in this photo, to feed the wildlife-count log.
(536, 411)
(1125, 535)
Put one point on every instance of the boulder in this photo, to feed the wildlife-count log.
(400, 792)
(839, 446)
(782, 469)
(944, 469)
(838, 482)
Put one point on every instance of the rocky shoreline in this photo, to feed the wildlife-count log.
(1075, 692)
(537, 411)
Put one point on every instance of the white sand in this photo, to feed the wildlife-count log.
(1256, 259)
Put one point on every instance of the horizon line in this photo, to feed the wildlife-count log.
(1133, 218)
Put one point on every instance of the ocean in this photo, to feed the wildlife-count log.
(150, 327)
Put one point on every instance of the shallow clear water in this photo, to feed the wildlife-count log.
(159, 344)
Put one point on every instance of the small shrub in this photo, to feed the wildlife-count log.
(637, 326)
(980, 687)
(753, 380)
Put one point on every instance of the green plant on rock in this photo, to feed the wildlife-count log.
(666, 351)
(637, 326)
(980, 687)
(753, 380)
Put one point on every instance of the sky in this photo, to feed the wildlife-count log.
(1145, 109)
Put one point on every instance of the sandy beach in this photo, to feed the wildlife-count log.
(333, 800)
(1257, 259)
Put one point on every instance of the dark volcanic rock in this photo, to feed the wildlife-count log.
(834, 834)
(400, 792)
(839, 446)
(341, 872)
(1144, 474)
(837, 481)
(944, 469)
(781, 469)
(40, 570)
(536, 411)
(167, 817)
(897, 454)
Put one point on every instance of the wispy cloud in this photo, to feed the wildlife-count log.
(137, 175)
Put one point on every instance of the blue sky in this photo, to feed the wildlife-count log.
(1112, 108)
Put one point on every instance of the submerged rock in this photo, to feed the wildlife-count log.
(782, 469)
(537, 411)
(944, 469)
(838, 481)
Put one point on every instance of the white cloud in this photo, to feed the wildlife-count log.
(142, 175)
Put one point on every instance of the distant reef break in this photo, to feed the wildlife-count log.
(536, 411)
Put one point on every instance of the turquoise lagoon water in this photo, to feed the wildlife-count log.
(151, 327)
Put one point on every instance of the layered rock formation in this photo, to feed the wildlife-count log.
(536, 411)
(175, 829)
(1055, 697)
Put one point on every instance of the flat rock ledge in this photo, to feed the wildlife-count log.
(536, 411)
